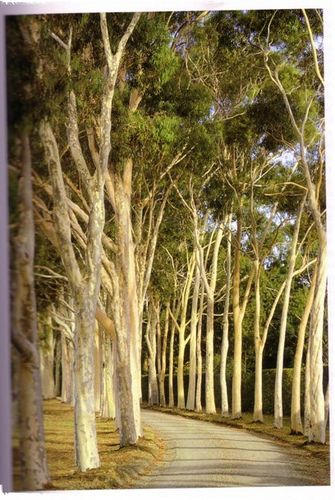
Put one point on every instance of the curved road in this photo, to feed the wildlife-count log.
(203, 454)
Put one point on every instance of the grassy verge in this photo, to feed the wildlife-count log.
(266, 429)
(120, 467)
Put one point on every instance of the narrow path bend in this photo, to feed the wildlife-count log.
(202, 454)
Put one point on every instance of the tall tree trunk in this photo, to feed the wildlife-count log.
(315, 382)
(125, 415)
(87, 456)
(127, 287)
(198, 403)
(180, 373)
(210, 397)
(181, 327)
(237, 360)
(225, 329)
(317, 403)
(162, 399)
(258, 394)
(278, 402)
(307, 400)
(296, 422)
(259, 348)
(171, 358)
(152, 348)
(190, 405)
(33, 460)
(210, 290)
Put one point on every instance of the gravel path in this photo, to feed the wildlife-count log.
(202, 454)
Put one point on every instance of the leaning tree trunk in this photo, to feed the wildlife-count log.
(315, 397)
(296, 422)
(181, 327)
(84, 292)
(307, 402)
(33, 460)
(317, 403)
(278, 402)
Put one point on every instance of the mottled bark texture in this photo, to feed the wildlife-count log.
(34, 470)
(85, 284)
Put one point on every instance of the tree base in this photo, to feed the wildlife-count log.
(294, 432)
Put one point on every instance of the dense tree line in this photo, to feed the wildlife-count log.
(168, 168)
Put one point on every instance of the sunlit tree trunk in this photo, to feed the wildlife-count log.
(315, 377)
(190, 404)
(181, 327)
(317, 403)
(278, 403)
(296, 422)
(259, 348)
(238, 316)
(307, 401)
(162, 398)
(171, 358)
(225, 329)
(198, 402)
(260, 337)
(125, 415)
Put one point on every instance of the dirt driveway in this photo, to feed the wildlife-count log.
(202, 454)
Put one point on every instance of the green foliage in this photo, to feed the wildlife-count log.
(165, 62)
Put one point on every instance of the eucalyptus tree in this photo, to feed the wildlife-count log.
(295, 72)
(24, 319)
(296, 420)
(209, 286)
(85, 284)
(34, 467)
